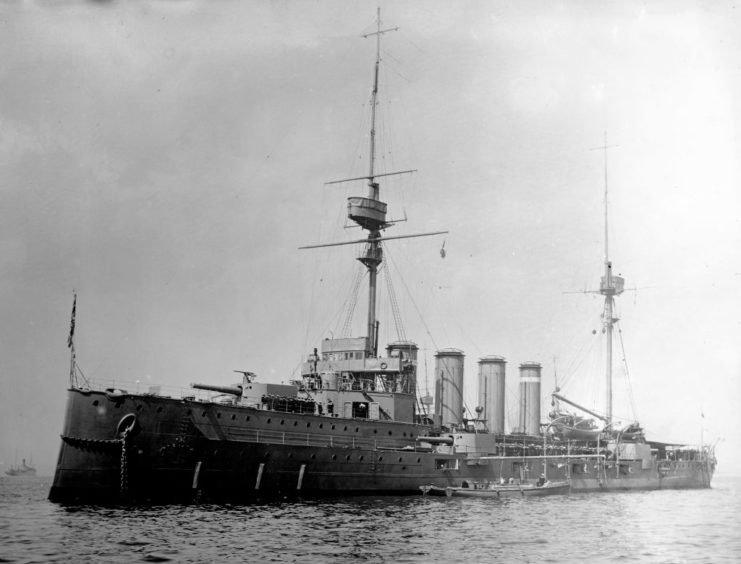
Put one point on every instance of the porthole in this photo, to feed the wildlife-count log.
(140, 407)
(400, 459)
(419, 460)
(282, 421)
(375, 431)
(361, 457)
(234, 416)
(357, 429)
(290, 455)
(96, 402)
(295, 423)
(390, 433)
(345, 429)
(334, 457)
(321, 425)
(405, 433)
(247, 418)
(347, 457)
(333, 427)
(218, 415)
(308, 424)
(203, 414)
(159, 409)
(313, 456)
(268, 421)
(380, 459)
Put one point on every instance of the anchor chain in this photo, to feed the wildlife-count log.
(91, 444)
(127, 427)
(124, 485)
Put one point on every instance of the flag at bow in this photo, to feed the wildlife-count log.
(72, 323)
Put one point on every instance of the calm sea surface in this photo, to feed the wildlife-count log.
(660, 526)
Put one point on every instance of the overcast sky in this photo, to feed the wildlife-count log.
(166, 159)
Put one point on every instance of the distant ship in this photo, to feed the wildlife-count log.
(22, 470)
(354, 422)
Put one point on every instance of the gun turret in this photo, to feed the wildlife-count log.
(233, 390)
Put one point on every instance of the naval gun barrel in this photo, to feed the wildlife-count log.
(436, 440)
(233, 390)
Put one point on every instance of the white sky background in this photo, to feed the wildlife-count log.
(166, 159)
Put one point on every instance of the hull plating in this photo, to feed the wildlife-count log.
(182, 450)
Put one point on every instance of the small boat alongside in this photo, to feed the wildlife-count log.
(475, 489)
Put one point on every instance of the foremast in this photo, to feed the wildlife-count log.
(371, 213)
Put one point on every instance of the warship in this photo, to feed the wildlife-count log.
(354, 423)
(21, 470)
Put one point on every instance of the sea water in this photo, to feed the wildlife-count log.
(656, 526)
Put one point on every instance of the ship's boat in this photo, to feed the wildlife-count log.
(352, 423)
(572, 426)
(500, 491)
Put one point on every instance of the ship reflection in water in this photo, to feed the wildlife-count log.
(354, 423)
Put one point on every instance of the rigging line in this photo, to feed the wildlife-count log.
(351, 303)
(395, 311)
(319, 266)
(387, 123)
(579, 361)
(627, 374)
(414, 303)
(322, 332)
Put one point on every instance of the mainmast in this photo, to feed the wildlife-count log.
(610, 286)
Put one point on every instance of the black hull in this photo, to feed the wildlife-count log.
(185, 451)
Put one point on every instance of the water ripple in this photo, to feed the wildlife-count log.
(656, 527)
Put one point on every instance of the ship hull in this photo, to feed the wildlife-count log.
(118, 446)
(183, 450)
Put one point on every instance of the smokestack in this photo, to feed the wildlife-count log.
(491, 391)
(530, 398)
(449, 386)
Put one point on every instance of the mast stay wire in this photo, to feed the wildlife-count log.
(388, 117)
(350, 304)
(421, 318)
(627, 374)
(395, 310)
